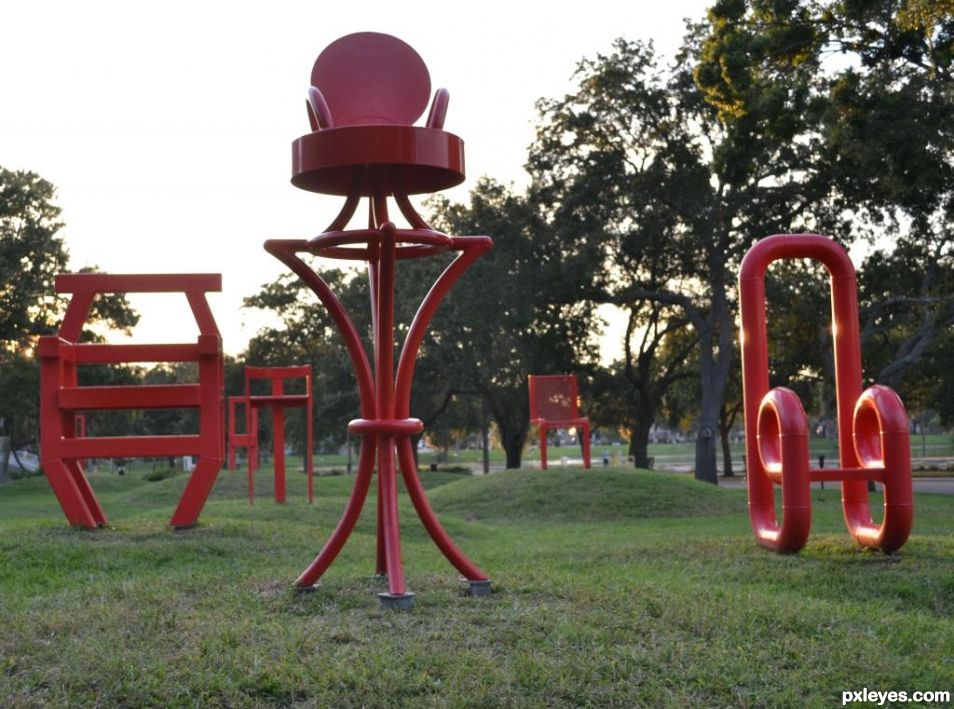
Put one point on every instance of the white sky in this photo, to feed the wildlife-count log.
(166, 127)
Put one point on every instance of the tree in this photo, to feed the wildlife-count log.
(658, 352)
(640, 166)
(31, 254)
(886, 146)
(517, 311)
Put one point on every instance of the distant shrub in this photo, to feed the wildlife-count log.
(453, 469)
(20, 473)
(162, 474)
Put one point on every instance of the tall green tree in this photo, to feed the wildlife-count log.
(517, 312)
(636, 163)
(32, 252)
(882, 88)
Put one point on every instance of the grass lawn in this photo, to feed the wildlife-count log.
(613, 588)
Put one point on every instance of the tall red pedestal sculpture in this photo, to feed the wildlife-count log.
(277, 401)
(873, 437)
(367, 89)
(248, 438)
(554, 404)
(61, 396)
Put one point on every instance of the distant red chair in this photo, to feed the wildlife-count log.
(278, 401)
(61, 396)
(248, 438)
(554, 404)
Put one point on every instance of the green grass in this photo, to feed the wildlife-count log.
(613, 588)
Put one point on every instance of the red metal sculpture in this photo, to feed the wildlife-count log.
(61, 396)
(872, 425)
(248, 438)
(554, 404)
(367, 89)
(277, 402)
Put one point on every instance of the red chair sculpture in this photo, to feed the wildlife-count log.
(248, 438)
(277, 401)
(61, 396)
(872, 425)
(367, 89)
(554, 404)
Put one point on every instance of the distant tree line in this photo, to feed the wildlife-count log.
(648, 182)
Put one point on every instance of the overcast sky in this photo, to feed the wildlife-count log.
(166, 127)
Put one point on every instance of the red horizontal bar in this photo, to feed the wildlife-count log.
(123, 446)
(277, 372)
(115, 354)
(137, 282)
(153, 396)
(559, 423)
(835, 474)
(279, 400)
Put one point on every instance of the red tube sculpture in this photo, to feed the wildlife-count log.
(367, 89)
(872, 424)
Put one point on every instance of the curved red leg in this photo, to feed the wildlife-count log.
(310, 576)
(424, 510)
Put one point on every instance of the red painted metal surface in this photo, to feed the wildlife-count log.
(277, 402)
(367, 89)
(61, 396)
(872, 424)
(554, 404)
(248, 438)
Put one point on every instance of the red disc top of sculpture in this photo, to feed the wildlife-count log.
(367, 89)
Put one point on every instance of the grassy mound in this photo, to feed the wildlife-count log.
(577, 495)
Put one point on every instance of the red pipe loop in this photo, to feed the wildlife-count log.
(418, 243)
(783, 452)
(882, 441)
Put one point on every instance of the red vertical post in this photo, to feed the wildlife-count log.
(278, 449)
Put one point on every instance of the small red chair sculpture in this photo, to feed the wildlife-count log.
(61, 396)
(872, 425)
(248, 438)
(367, 89)
(554, 404)
(277, 402)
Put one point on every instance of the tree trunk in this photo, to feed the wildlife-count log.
(639, 439)
(716, 336)
(726, 454)
(4, 458)
(485, 442)
(513, 448)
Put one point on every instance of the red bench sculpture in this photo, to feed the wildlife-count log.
(61, 396)
(554, 404)
(873, 439)
(277, 402)
(367, 89)
(248, 438)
